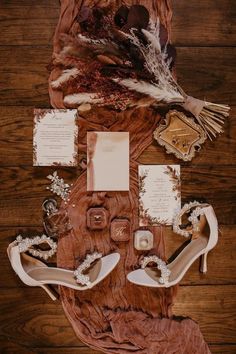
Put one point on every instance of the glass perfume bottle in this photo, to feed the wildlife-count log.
(55, 222)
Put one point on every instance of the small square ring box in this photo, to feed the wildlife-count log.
(143, 240)
(120, 230)
(97, 218)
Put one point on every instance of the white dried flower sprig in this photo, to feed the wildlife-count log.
(167, 87)
(158, 93)
(66, 75)
(80, 98)
(58, 186)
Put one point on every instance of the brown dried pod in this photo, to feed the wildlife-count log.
(121, 16)
(106, 60)
(117, 60)
(119, 35)
(138, 17)
(84, 13)
(163, 35)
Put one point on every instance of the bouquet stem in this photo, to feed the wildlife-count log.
(210, 116)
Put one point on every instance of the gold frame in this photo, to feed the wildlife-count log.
(184, 145)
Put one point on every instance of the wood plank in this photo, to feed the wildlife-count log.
(42, 323)
(222, 348)
(18, 17)
(24, 189)
(16, 125)
(204, 23)
(207, 73)
(71, 350)
(24, 75)
(30, 318)
(221, 268)
(215, 349)
(208, 23)
(213, 307)
(10, 347)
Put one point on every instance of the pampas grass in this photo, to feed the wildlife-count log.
(66, 75)
(79, 98)
(153, 40)
(153, 90)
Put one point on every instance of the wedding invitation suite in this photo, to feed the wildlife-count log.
(159, 194)
(108, 161)
(55, 137)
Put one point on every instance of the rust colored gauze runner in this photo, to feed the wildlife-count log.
(116, 316)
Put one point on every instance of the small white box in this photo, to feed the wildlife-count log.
(143, 240)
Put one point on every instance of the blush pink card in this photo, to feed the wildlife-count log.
(108, 161)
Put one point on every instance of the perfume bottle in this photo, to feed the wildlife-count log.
(55, 222)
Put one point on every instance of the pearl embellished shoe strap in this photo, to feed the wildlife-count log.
(27, 245)
(161, 265)
(78, 273)
(193, 218)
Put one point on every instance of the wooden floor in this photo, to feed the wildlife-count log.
(205, 36)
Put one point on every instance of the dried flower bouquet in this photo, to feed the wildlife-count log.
(125, 59)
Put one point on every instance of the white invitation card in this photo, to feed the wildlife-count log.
(159, 194)
(107, 161)
(55, 137)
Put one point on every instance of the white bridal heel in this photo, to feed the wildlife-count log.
(203, 265)
(166, 275)
(33, 272)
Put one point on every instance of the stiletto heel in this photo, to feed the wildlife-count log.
(169, 274)
(33, 272)
(52, 294)
(203, 266)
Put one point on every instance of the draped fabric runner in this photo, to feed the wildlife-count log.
(117, 316)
